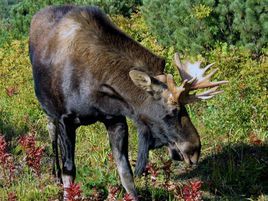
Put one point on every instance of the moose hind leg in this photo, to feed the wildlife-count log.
(53, 133)
(118, 137)
(67, 142)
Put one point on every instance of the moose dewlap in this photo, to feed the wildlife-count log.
(86, 70)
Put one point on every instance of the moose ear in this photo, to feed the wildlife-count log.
(141, 79)
(147, 83)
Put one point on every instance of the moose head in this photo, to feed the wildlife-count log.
(169, 123)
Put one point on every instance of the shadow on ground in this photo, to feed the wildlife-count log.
(8, 130)
(11, 132)
(236, 172)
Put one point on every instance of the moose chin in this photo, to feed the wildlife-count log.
(86, 69)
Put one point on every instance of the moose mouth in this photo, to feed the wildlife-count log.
(179, 155)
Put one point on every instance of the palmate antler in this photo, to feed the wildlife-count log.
(193, 78)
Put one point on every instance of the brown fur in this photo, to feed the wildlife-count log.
(93, 45)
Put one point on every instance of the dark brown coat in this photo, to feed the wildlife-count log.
(81, 64)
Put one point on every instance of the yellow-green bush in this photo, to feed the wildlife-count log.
(19, 110)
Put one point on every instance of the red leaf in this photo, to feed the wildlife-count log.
(6, 161)
(27, 142)
(110, 157)
(3, 144)
(33, 154)
(128, 197)
(74, 192)
(192, 192)
(253, 139)
(12, 196)
(196, 185)
(113, 191)
(152, 170)
(11, 91)
(186, 192)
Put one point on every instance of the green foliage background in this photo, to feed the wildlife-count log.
(233, 34)
(198, 25)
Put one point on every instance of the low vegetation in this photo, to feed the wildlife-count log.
(233, 129)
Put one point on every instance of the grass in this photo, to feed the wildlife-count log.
(233, 165)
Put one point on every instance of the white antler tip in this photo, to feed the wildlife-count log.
(208, 66)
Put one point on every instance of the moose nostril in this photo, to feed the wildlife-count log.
(175, 155)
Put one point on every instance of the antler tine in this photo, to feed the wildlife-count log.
(181, 68)
(205, 81)
(202, 96)
(170, 82)
(161, 78)
(208, 66)
(178, 60)
(209, 93)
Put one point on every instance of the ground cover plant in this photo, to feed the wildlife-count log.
(233, 129)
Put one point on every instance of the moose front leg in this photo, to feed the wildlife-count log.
(118, 137)
(67, 142)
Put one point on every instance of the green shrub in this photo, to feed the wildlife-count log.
(22, 12)
(19, 109)
(3, 9)
(197, 25)
(242, 109)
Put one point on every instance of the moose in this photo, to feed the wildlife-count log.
(86, 69)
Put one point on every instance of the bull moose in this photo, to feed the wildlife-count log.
(86, 69)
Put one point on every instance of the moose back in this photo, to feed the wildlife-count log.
(86, 70)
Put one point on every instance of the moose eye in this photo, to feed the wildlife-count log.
(172, 113)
